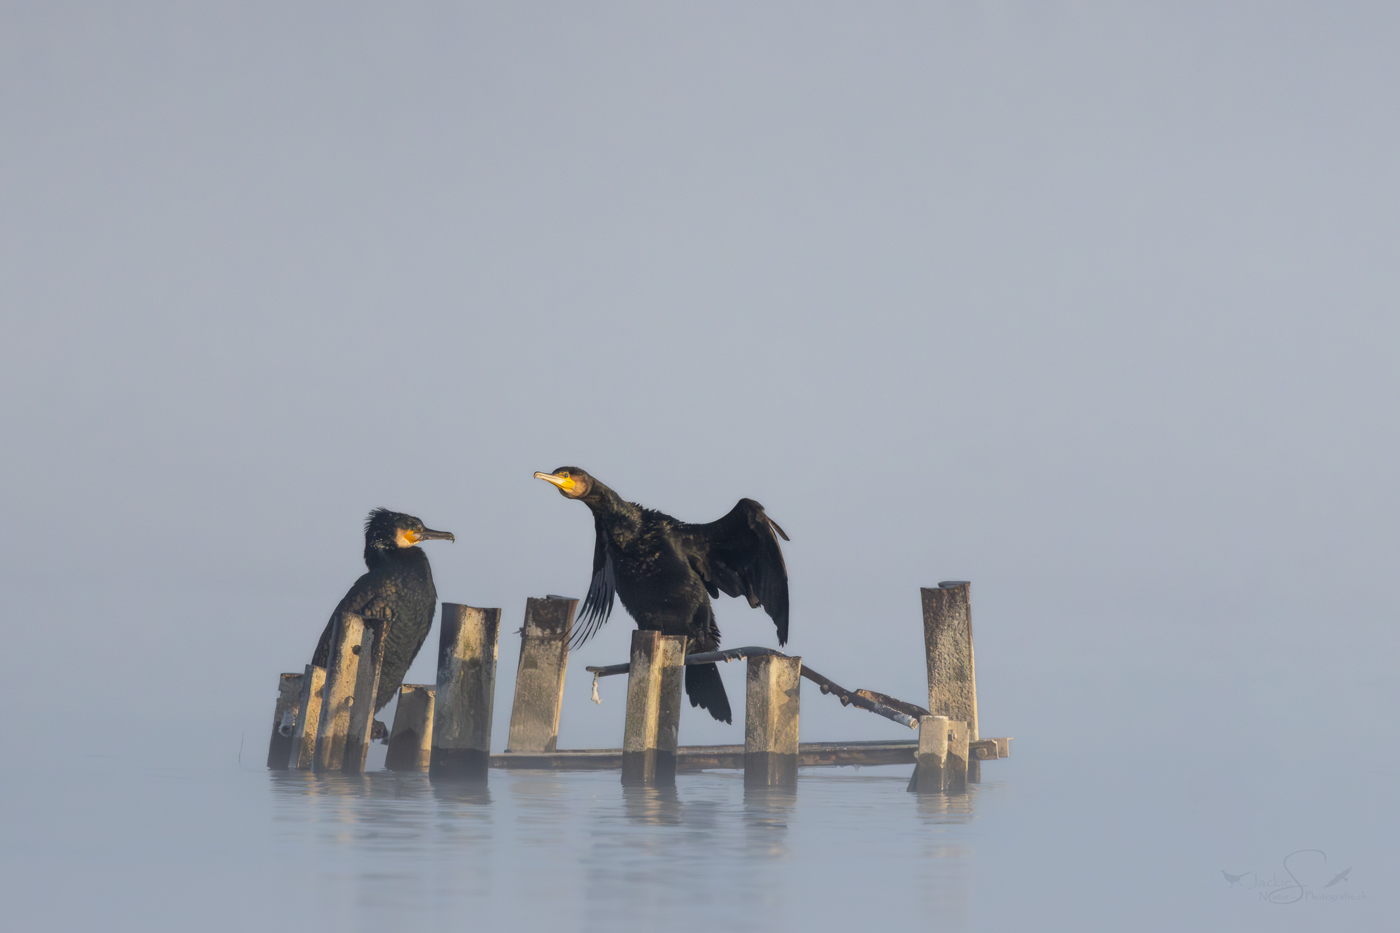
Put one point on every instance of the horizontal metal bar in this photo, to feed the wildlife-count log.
(703, 657)
(699, 757)
(990, 749)
(609, 670)
(906, 714)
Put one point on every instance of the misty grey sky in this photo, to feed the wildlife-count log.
(1091, 304)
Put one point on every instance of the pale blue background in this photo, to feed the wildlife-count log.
(1094, 305)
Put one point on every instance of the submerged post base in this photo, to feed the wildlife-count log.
(770, 769)
(931, 762)
(411, 741)
(467, 764)
(652, 766)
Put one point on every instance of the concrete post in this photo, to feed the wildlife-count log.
(303, 751)
(371, 656)
(284, 721)
(649, 738)
(952, 679)
(770, 721)
(338, 697)
(410, 743)
(930, 767)
(539, 680)
(955, 773)
(466, 691)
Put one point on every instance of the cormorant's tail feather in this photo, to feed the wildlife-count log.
(706, 690)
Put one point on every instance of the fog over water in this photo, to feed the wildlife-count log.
(1093, 305)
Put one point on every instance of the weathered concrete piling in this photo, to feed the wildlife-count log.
(771, 695)
(652, 723)
(956, 771)
(940, 765)
(323, 716)
(465, 694)
(931, 762)
(539, 678)
(303, 751)
(952, 679)
(284, 721)
(358, 733)
(410, 741)
(349, 640)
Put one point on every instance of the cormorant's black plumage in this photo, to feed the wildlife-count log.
(666, 571)
(398, 588)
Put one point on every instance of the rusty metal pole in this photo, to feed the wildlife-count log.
(649, 738)
(930, 764)
(952, 679)
(539, 679)
(342, 671)
(303, 751)
(284, 721)
(466, 692)
(410, 743)
(771, 700)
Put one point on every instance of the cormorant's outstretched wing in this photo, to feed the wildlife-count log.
(597, 606)
(740, 555)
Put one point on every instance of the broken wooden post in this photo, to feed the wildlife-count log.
(539, 679)
(931, 761)
(338, 697)
(371, 657)
(952, 680)
(284, 721)
(303, 750)
(465, 695)
(410, 742)
(770, 720)
(956, 772)
(653, 718)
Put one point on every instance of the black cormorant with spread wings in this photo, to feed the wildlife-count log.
(666, 570)
(398, 589)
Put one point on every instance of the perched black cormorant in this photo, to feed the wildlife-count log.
(666, 570)
(398, 588)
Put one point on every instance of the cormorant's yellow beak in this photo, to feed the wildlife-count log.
(407, 538)
(566, 483)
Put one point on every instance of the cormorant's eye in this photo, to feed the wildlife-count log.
(565, 474)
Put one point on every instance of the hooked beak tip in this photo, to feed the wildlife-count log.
(556, 480)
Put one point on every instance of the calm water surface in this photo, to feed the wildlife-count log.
(117, 845)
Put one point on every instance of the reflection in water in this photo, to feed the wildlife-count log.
(390, 840)
(582, 850)
(767, 811)
(451, 791)
(943, 876)
(947, 808)
(652, 805)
